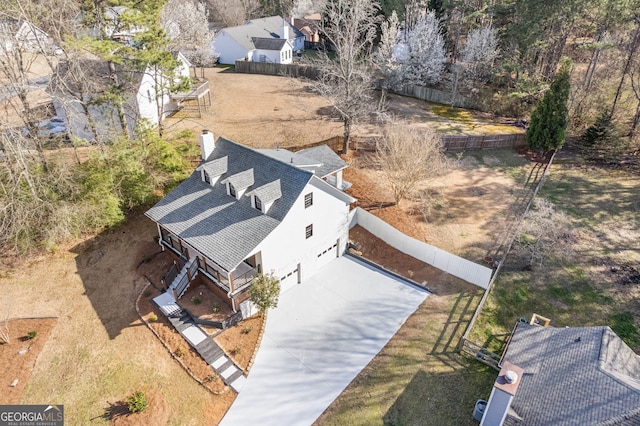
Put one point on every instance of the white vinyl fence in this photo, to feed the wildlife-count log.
(455, 265)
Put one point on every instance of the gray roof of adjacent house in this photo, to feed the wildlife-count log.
(262, 28)
(573, 376)
(222, 228)
(269, 43)
(321, 160)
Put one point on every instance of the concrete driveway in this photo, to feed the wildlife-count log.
(322, 334)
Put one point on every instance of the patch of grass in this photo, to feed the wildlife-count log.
(31, 335)
(452, 113)
(624, 325)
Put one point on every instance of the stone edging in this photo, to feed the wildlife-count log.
(166, 346)
(255, 352)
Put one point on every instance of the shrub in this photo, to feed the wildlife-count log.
(180, 352)
(247, 330)
(153, 318)
(32, 335)
(146, 293)
(195, 300)
(237, 350)
(215, 309)
(137, 402)
(264, 292)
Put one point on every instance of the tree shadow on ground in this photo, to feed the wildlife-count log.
(107, 267)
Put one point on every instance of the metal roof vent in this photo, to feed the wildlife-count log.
(511, 376)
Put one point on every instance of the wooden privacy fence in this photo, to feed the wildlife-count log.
(450, 143)
(458, 143)
(271, 68)
(465, 345)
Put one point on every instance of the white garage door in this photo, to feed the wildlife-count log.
(289, 279)
(327, 254)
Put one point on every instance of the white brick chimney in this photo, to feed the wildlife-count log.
(284, 31)
(207, 144)
(504, 389)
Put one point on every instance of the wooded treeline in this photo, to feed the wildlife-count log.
(503, 53)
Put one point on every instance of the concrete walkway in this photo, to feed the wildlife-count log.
(323, 333)
(198, 339)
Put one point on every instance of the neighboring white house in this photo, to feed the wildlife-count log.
(22, 34)
(150, 98)
(243, 212)
(251, 41)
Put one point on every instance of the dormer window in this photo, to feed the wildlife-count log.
(237, 184)
(262, 198)
(212, 171)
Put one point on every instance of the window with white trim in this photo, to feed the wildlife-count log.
(232, 190)
(308, 200)
(206, 177)
(309, 231)
(257, 202)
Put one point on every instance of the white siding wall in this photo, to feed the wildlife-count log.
(146, 99)
(286, 246)
(228, 49)
(273, 56)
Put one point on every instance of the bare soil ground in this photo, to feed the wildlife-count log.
(18, 356)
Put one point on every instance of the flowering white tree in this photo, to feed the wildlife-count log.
(385, 57)
(187, 26)
(426, 53)
(481, 50)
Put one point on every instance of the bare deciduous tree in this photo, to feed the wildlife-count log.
(546, 232)
(235, 12)
(409, 157)
(346, 81)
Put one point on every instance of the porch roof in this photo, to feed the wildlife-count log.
(220, 227)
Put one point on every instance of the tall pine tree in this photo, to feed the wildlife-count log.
(549, 119)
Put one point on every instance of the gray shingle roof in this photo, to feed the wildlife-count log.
(331, 162)
(269, 192)
(222, 228)
(260, 28)
(321, 160)
(216, 167)
(574, 376)
(241, 180)
(268, 43)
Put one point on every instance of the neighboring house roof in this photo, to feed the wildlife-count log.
(260, 29)
(321, 160)
(573, 376)
(20, 30)
(269, 43)
(222, 228)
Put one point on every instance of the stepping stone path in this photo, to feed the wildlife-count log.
(208, 349)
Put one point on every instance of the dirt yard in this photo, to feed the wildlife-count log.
(100, 351)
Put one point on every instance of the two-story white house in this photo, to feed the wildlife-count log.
(271, 39)
(244, 212)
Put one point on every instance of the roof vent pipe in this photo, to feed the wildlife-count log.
(207, 144)
(511, 376)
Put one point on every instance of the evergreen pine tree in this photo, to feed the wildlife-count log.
(549, 118)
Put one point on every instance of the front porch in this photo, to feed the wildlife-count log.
(192, 268)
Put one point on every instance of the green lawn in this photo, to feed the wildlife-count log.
(590, 277)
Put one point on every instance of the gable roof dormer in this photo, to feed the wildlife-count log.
(211, 171)
(262, 198)
(237, 184)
